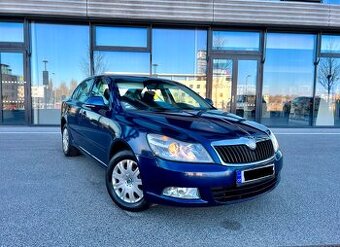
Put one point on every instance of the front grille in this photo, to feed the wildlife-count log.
(237, 154)
(222, 194)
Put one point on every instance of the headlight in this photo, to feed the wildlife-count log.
(274, 141)
(172, 149)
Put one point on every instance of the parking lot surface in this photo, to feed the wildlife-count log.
(48, 199)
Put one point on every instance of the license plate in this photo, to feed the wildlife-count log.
(251, 175)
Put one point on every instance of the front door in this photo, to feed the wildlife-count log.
(13, 88)
(234, 85)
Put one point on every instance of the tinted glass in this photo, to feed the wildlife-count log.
(11, 32)
(246, 41)
(130, 63)
(288, 79)
(330, 44)
(60, 61)
(13, 87)
(180, 55)
(121, 36)
(327, 98)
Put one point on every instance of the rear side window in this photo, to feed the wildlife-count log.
(82, 91)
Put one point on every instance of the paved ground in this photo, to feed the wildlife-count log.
(47, 199)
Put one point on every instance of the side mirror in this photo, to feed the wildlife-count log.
(209, 101)
(95, 102)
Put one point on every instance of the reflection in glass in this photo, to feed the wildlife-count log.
(246, 89)
(327, 97)
(222, 83)
(330, 44)
(181, 55)
(288, 79)
(245, 41)
(60, 61)
(129, 63)
(12, 88)
(11, 32)
(331, 1)
(121, 36)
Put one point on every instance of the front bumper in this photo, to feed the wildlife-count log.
(216, 183)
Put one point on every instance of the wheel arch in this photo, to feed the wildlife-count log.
(118, 146)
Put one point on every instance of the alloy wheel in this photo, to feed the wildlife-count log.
(126, 181)
(66, 140)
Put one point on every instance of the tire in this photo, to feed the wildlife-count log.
(124, 183)
(66, 143)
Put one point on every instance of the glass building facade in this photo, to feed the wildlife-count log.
(276, 78)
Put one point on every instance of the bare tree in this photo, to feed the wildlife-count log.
(329, 74)
(99, 64)
(329, 71)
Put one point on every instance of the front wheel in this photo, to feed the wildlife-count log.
(68, 148)
(124, 182)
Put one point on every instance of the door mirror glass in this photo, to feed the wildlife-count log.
(210, 102)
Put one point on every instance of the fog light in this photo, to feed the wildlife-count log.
(180, 192)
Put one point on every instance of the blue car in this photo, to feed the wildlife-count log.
(162, 143)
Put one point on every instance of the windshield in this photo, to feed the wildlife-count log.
(158, 95)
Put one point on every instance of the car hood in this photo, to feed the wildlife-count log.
(187, 125)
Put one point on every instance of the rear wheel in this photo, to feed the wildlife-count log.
(68, 148)
(124, 182)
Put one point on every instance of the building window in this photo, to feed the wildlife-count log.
(60, 61)
(330, 44)
(121, 50)
(288, 79)
(327, 94)
(122, 62)
(331, 1)
(121, 36)
(13, 87)
(236, 41)
(180, 55)
(11, 32)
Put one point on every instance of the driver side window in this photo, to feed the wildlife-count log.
(82, 91)
(101, 88)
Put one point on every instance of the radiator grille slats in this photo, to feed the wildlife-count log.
(236, 154)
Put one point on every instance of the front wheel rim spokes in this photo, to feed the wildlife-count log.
(65, 140)
(126, 181)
